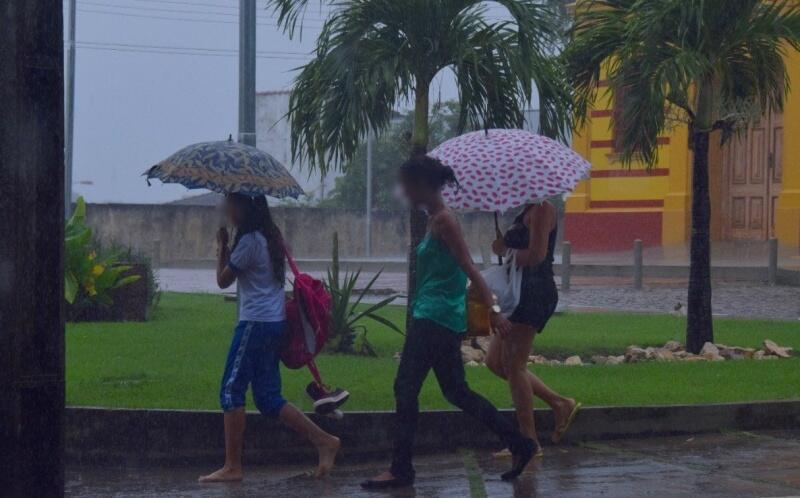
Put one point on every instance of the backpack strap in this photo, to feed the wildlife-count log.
(290, 259)
(312, 367)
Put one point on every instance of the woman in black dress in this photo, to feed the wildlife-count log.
(533, 235)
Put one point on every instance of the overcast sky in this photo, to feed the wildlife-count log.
(155, 75)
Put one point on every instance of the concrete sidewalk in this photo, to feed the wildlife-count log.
(732, 464)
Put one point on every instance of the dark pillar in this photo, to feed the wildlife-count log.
(31, 248)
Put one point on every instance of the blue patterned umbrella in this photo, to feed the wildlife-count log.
(227, 167)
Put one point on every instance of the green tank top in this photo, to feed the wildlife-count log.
(441, 286)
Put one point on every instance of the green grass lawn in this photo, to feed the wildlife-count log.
(176, 360)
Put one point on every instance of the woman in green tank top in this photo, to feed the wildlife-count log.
(433, 342)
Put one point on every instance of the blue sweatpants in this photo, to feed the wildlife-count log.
(254, 359)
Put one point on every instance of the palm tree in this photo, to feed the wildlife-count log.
(711, 64)
(373, 54)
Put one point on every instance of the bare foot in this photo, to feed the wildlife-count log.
(562, 412)
(504, 453)
(385, 476)
(225, 474)
(327, 456)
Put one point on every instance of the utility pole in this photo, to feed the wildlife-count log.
(247, 72)
(369, 195)
(32, 249)
(247, 82)
(69, 121)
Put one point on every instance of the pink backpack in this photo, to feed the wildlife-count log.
(308, 317)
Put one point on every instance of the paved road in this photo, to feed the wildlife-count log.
(659, 296)
(734, 464)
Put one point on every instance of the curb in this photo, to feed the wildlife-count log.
(178, 437)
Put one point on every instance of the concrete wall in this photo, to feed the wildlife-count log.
(185, 235)
(273, 135)
(170, 437)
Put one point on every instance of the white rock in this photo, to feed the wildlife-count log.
(634, 354)
(615, 360)
(664, 355)
(481, 343)
(468, 353)
(599, 359)
(779, 351)
(735, 352)
(694, 357)
(711, 352)
(537, 359)
(473, 364)
(673, 346)
(573, 361)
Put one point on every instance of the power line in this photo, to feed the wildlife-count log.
(181, 19)
(265, 14)
(146, 11)
(304, 55)
(178, 52)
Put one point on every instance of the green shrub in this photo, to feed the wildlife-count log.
(347, 335)
(90, 274)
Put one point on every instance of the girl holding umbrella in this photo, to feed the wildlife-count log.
(500, 170)
(257, 262)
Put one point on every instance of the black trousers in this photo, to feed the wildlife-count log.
(432, 346)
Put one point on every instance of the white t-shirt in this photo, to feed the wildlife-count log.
(261, 297)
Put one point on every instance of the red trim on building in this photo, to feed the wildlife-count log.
(617, 173)
(609, 144)
(605, 113)
(644, 203)
(606, 232)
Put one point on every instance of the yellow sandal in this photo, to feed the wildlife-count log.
(559, 433)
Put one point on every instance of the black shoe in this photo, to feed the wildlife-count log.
(522, 453)
(326, 402)
(397, 482)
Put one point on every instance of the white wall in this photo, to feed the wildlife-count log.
(273, 136)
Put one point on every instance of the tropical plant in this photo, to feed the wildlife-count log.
(711, 64)
(90, 275)
(347, 334)
(373, 54)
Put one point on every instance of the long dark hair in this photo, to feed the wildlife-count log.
(258, 218)
(428, 171)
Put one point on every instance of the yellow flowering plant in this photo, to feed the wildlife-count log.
(90, 278)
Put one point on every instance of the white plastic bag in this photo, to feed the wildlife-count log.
(505, 282)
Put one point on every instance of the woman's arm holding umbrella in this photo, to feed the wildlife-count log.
(539, 219)
(225, 276)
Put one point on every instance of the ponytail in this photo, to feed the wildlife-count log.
(430, 172)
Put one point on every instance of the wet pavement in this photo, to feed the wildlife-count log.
(604, 294)
(733, 464)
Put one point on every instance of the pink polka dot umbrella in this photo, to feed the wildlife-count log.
(502, 169)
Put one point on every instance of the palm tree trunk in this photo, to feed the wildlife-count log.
(418, 220)
(699, 325)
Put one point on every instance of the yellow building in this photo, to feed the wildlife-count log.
(755, 184)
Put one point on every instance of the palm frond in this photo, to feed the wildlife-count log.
(661, 51)
(373, 54)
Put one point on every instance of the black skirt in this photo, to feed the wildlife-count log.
(537, 303)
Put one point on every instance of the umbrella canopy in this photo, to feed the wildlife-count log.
(227, 167)
(502, 169)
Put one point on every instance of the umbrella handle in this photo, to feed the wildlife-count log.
(498, 234)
